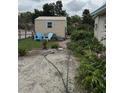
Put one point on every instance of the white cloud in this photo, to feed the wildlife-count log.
(71, 6)
(75, 5)
(88, 4)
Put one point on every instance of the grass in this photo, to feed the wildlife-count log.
(29, 44)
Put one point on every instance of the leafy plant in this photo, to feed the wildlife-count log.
(92, 70)
(91, 75)
(44, 45)
(22, 52)
(55, 46)
(81, 35)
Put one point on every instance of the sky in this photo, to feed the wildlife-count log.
(72, 7)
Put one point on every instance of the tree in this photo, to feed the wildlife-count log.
(36, 14)
(87, 18)
(24, 18)
(58, 9)
(49, 9)
(86, 12)
(76, 19)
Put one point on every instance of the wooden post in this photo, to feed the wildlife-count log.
(25, 25)
(25, 33)
(19, 33)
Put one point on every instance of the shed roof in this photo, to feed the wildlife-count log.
(100, 10)
(50, 18)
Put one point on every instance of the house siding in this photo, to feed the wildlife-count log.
(100, 28)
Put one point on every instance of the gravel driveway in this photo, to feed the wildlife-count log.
(37, 75)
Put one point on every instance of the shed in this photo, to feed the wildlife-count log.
(56, 25)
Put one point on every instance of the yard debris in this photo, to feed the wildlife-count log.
(61, 49)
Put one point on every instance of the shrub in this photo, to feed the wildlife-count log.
(55, 46)
(71, 45)
(87, 27)
(44, 45)
(70, 29)
(91, 76)
(96, 46)
(22, 52)
(81, 35)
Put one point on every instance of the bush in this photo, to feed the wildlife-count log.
(96, 46)
(91, 76)
(71, 45)
(70, 29)
(44, 45)
(55, 46)
(87, 27)
(22, 52)
(81, 35)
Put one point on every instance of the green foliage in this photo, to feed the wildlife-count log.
(87, 18)
(92, 70)
(87, 27)
(49, 9)
(44, 44)
(58, 9)
(36, 14)
(53, 9)
(81, 35)
(54, 46)
(75, 19)
(91, 75)
(70, 29)
(73, 23)
(25, 21)
(71, 45)
(22, 52)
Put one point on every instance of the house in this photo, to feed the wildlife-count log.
(47, 24)
(100, 24)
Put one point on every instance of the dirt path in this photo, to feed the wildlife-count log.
(63, 44)
(37, 75)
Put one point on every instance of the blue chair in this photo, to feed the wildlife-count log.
(50, 35)
(38, 36)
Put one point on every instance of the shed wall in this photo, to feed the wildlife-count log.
(59, 27)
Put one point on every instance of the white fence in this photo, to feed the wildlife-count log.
(22, 34)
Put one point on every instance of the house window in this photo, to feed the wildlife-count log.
(49, 25)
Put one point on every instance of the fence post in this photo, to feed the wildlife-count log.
(19, 34)
(25, 33)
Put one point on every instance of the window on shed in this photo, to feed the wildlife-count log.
(49, 25)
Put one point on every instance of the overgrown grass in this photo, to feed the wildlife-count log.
(29, 44)
(92, 70)
(25, 45)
